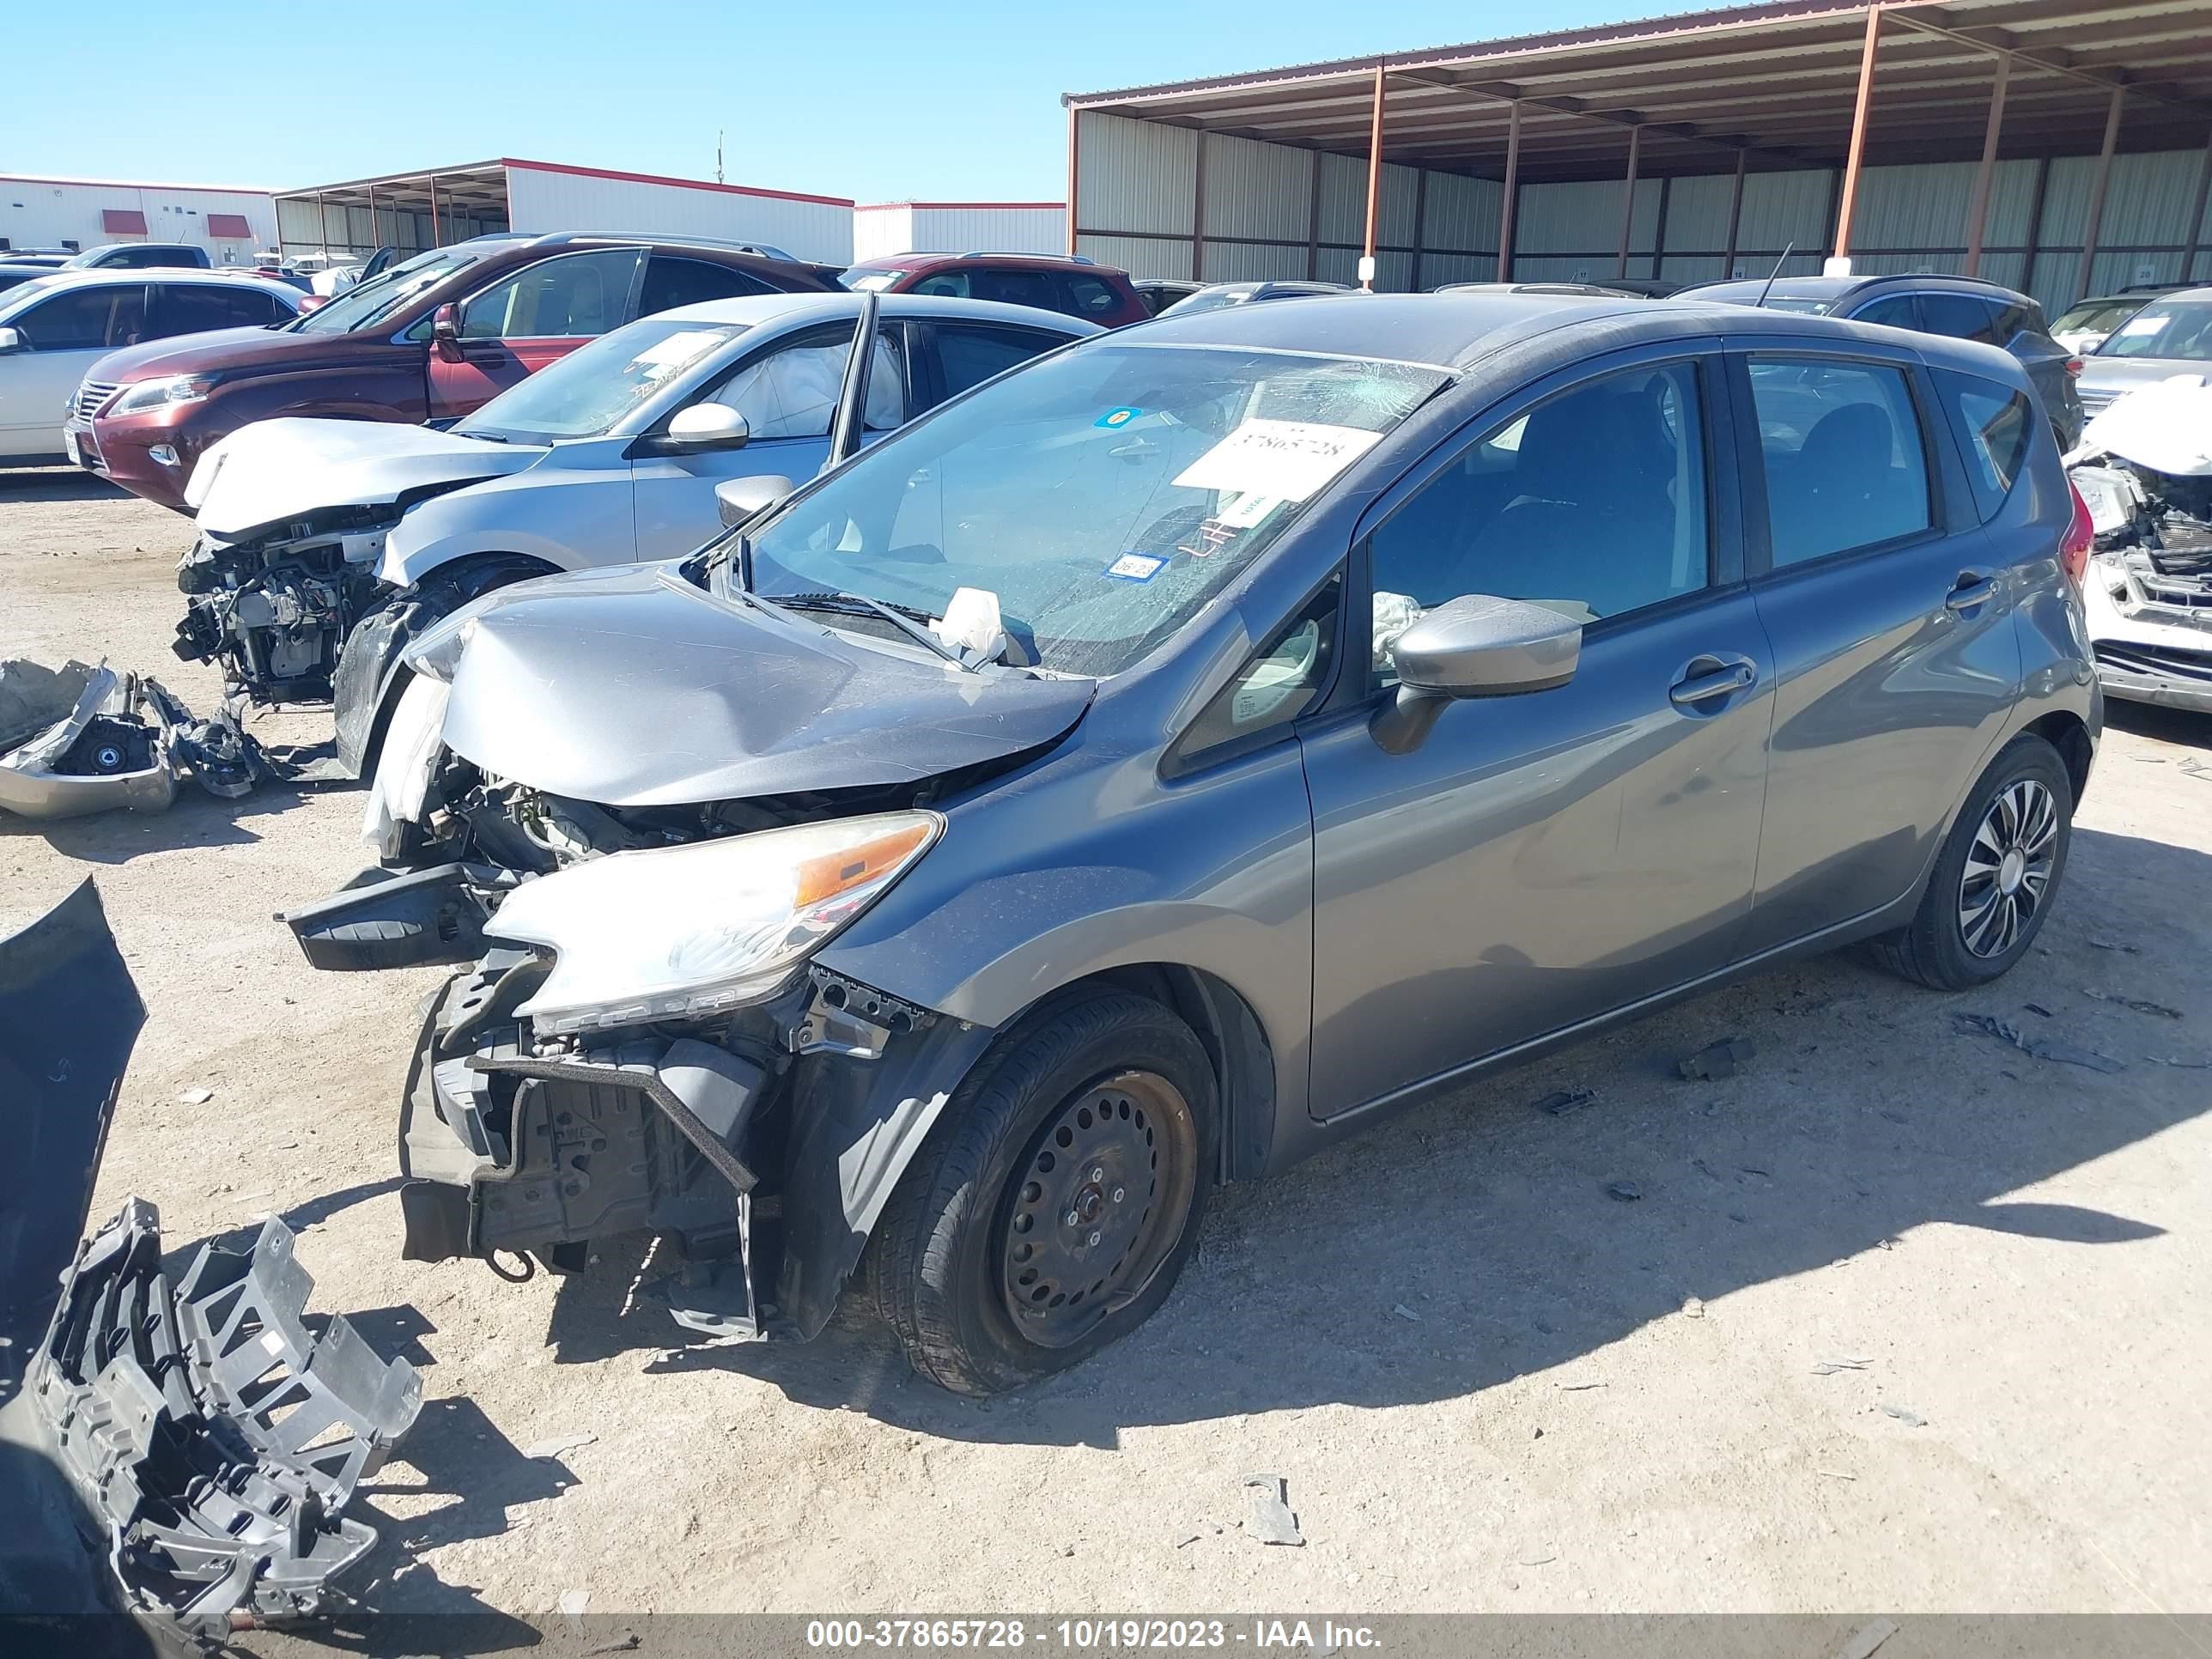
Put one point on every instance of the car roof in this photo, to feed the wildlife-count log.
(921, 261)
(1836, 287)
(53, 281)
(1459, 332)
(758, 310)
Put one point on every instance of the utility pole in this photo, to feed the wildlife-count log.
(718, 155)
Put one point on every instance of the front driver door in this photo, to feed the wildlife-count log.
(62, 336)
(787, 391)
(1546, 858)
(526, 321)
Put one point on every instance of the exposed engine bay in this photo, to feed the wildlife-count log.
(274, 609)
(2144, 471)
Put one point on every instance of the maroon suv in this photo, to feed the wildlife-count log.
(430, 339)
(1074, 286)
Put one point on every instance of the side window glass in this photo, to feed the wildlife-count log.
(944, 284)
(1844, 464)
(1960, 316)
(1531, 511)
(191, 308)
(1995, 426)
(89, 319)
(968, 356)
(582, 295)
(1018, 288)
(1089, 297)
(792, 390)
(1898, 311)
(1280, 683)
(672, 283)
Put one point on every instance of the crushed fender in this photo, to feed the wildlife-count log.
(215, 1438)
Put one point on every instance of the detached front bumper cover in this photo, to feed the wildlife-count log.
(215, 1436)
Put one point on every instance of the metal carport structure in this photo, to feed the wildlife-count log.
(2019, 115)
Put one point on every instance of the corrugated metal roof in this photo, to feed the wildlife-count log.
(1776, 80)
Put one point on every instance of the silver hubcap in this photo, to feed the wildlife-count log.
(2007, 874)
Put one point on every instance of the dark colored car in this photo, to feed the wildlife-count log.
(140, 256)
(1097, 293)
(1159, 293)
(1959, 307)
(1188, 749)
(430, 339)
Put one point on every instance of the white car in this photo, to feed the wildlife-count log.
(610, 456)
(53, 328)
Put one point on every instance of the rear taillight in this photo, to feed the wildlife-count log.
(2081, 537)
(2074, 366)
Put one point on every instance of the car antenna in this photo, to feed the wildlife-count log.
(1788, 249)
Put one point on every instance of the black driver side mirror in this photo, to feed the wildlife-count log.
(1475, 646)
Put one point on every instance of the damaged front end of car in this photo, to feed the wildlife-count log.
(639, 877)
(2144, 471)
(273, 607)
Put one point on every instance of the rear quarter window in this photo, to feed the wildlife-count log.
(1995, 429)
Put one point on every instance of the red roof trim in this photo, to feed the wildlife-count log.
(1040, 207)
(123, 221)
(228, 224)
(680, 184)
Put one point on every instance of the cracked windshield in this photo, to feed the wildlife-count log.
(1101, 496)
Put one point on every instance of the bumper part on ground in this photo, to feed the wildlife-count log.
(214, 1436)
(103, 739)
(388, 919)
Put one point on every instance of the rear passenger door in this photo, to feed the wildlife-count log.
(1890, 616)
(948, 358)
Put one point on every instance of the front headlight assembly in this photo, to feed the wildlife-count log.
(681, 933)
(149, 395)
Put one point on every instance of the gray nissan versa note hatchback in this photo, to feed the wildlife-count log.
(1187, 749)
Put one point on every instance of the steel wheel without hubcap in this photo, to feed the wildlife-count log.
(2007, 870)
(1098, 1206)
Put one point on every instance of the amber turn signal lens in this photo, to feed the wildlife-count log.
(833, 874)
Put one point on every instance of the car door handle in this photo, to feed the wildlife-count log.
(1709, 678)
(1973, 589)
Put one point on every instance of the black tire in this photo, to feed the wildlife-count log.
(940, 1267)
(1935, 948)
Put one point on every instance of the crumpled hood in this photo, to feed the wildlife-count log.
(630, 686)
(271, 470)
(2165, 425)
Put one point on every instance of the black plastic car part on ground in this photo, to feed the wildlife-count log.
(180, 1452)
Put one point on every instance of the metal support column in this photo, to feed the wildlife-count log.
(1074, 174)
(1374, 179)
(2195, 240)
(1198, 210)
(1420, 222)
(2093, 221)
(1628, 198)
(1847, 204)
(1512, 192)
(1978, 211)
(437, 237)
(1313, 222)
(1735, 214)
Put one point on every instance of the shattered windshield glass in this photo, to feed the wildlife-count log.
(1102, 495)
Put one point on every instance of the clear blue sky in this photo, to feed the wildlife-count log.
(868, 99)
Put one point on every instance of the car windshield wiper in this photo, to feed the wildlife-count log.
(907, 620)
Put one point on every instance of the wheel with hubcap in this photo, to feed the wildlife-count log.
(1057, 1199)
(1995, 879)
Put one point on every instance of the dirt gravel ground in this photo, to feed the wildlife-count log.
(1903, 1319)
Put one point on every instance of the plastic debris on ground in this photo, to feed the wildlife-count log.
(1565, 1101)
(1272, 1520)
(217, 1436)
(79, 739)
(2156, 1010)
(2066, 1053)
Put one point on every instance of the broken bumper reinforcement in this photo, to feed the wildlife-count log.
(215, 1436)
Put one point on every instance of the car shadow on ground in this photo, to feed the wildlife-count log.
(2146, 719)
(57, 483)
(1480, 1238)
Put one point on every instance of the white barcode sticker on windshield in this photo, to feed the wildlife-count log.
(1290, 459)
